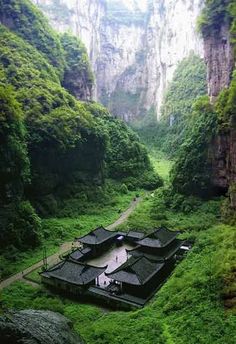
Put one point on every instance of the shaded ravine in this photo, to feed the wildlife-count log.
(53, 259)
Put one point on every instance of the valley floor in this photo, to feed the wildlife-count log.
(197, 305)
(64, 248)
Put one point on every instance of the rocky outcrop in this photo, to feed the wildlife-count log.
(218, 52)
(134, 46)
(37, 327)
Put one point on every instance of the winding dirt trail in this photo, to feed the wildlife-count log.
(124, 216)
(65, 248)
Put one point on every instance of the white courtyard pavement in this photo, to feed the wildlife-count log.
(114, 258)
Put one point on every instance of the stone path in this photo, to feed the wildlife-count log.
(65, 248)
(51, 260)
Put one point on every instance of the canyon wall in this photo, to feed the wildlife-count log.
(218, 54)
(134, 46)
(219, 57)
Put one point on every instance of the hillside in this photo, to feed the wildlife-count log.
(55, 149)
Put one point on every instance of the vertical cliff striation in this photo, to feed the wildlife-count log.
(134, 46)
(219, 58)
(218, 53)
(218, 30)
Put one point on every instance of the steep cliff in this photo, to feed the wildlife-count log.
(134, 46)
(217, 29)
(218, 53)
(206, 164)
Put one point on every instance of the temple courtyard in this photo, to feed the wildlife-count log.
(122, 270)
(113, 259)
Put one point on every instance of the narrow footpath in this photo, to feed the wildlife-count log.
(65, 248)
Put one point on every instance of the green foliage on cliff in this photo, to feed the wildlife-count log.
(226, 106)
(28, 22)
(20, 228)
(191, 173)
(189, 83)
(14, 163)
(78, 71)
(126, 158)
(56, 150)
(215, 14)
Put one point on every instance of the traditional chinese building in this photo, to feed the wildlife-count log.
(160, 245)
(80, 255)
(71, 276)
(96, 270)
(98, 240)
(139, 276)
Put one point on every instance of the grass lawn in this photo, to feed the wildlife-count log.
(161, 164)
(34, 276)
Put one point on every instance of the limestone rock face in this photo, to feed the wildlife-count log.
(219, 57)
(134, 46)
(218, 53)
(223, 160)
(37, 327)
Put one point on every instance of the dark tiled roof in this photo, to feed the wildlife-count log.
(74, 272)
(135, 235)
(160, 238)
(136, 271)
(170, 252)
(78, 254)
(97, 236)
(138, 253)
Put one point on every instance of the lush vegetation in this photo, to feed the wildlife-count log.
(215, 14)
(191, 173)
(57, 152)
(102, 208)
(78, 76)
(29, 23)
(189, 83)
(14, 164)
(190, 306)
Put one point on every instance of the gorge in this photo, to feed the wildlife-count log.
(159, 157)
(134, 46)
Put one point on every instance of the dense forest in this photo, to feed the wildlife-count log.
(67, 165)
